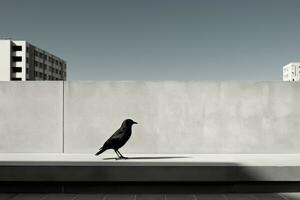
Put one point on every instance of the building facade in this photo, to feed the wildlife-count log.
(291, 72)
(22, 61)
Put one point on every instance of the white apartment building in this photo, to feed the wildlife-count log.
(22, 61)
(291, 72)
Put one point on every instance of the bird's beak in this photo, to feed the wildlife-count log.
(135, 123)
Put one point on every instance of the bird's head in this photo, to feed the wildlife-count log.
(128, 122)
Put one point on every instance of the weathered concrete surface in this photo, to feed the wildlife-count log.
(150, 168)
(174, 117)
(31, 117)
(65, 159)
(184, 117)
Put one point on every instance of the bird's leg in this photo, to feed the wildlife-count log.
(121, 155)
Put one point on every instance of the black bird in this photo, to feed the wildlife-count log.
(118, 139)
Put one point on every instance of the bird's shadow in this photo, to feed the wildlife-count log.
(148, 157)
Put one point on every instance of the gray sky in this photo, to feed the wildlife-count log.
(161, 39)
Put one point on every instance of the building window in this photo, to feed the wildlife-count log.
(16, 69)
(16, 79)
(17, 48)
(17, 58)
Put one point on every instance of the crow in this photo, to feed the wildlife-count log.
(118, 139)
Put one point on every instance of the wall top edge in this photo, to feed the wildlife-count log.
(277, 81)
(155, 81)
(176, 81)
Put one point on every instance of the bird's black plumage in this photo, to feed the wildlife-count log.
(119, 138)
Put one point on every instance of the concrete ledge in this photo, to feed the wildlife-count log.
(64, 159)
(149, 187)
(150, 168)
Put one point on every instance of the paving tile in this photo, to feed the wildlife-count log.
(33, 196)
(60, 197)
(6, 196)
(249, 196)
(150, 197)
(210, 197)
(240, 197)
(269, 196)
(119, 197)
(180, 197)
(89, 197)
(290, 196)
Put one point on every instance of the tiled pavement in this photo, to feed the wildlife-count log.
(281, 196)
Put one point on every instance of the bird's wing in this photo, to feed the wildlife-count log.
(111, 142)
(115, 138)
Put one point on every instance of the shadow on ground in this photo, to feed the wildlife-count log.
(148, 157)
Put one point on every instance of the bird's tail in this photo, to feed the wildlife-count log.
(101, 150)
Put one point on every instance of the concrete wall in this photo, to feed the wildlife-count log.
(185, 117)
(174, 117)
(5, 62)
(31, 117)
